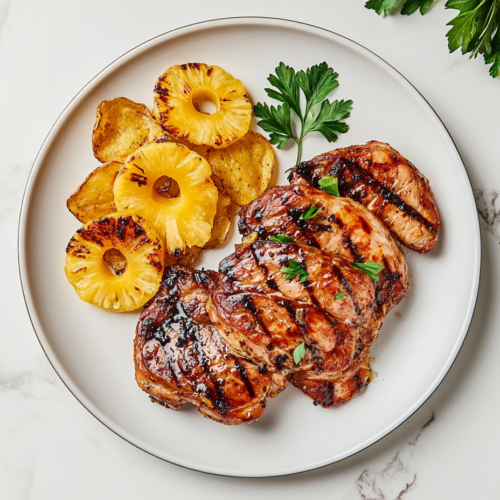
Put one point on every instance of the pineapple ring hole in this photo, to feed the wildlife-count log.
(205, 101)
(116, 261)
(167, 187)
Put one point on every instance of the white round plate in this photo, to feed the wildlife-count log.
(91, 350)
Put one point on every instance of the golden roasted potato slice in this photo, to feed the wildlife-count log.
(94, 198)
(122, 126)
(222, 219)
(245, 168)
(190, 256)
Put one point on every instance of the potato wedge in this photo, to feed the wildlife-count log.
(121, 127)
(94, 197)
(245, 168)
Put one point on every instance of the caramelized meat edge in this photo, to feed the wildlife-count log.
(389, 185)
(180, 358)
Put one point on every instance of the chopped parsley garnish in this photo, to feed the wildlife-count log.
(295, 269)
(339, 296)
(281, 238)
(330, 185)
(299, 353)
(320, 115)
(312, 212)
(370, 268)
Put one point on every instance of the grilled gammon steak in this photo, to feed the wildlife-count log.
(342, 227)
(180, 358)
(380, 178)
(263, 316)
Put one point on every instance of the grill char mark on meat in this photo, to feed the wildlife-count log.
(180, 357)
(353, 232)
(266, 324)
(384, 181)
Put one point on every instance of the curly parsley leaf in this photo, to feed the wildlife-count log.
(330, 185)
(281, 238)
(311, 212)
(320, 115)
(295, 269)
(339, 296)
(299, 353)
(370, 268)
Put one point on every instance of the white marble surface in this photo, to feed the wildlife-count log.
(52, 448)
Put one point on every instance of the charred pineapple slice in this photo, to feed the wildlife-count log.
(115, 263)
(178, 93)
(170, 186)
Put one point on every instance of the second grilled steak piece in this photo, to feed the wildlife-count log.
(338, 388)
(342, 227)
(264, 316)
(256, 268)
(267, 330)
(180, 358)
(380, 178)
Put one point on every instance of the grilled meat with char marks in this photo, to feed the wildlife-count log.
(257, 268)
(264, 317)
(342, 227)
(338, 388)
(380, 178)
(180, 358)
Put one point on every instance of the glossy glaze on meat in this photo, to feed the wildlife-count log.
(264, 317)
(338, 388)
(342, 227)
(256, 268)
(180, 358)
(380, 178)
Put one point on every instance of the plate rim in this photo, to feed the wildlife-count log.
(35, 169)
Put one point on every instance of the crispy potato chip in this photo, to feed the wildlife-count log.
(121, 127)
(222, 219)
(245, 168)
(94, 198)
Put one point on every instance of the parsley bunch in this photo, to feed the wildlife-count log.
(320, 115)
(475, 29)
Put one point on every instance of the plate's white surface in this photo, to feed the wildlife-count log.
(92, 350)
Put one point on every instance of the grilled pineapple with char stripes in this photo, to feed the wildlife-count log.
(115, 263)
(178, 92)
(183, 216)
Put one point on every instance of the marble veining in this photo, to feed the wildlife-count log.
(488, 207)
(395, 479)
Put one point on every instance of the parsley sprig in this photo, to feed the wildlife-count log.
(320, 115)
(295, 269)
(281, 238)
(299, 353)
(474, 29)
(370, 268)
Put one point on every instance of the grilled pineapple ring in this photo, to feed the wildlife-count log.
(184, 218)
(176, 95)
(135, 257)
